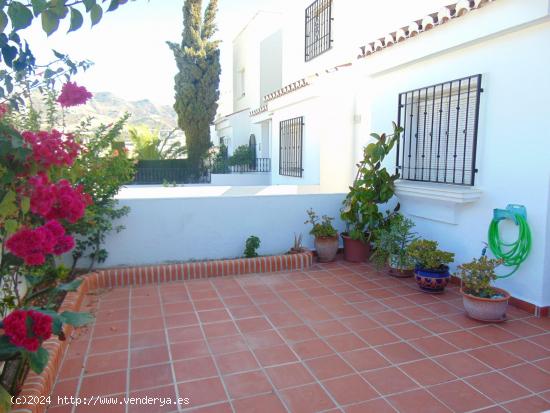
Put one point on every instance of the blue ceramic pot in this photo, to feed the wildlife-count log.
(432, 281)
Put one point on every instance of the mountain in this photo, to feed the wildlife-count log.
(105, 108)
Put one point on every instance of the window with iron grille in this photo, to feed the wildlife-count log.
(318, 28)
(290, 147)
(439, 138)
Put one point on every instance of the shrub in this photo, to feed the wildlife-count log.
(320, 227)
(427, 256)
(393, 240)
(477, 276)
(251, 246)
(241, 156)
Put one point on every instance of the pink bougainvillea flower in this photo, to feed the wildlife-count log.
(72, 95)
(52, 148)
(15, 327)
(3, 110)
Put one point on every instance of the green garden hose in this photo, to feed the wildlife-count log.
(514, 253)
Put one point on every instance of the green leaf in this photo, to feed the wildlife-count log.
(5, 400)
(38, 360)
(38, 6)
(76, 20)
(70, 286)
(25, 204)
(7, 349)
(96, 13)
(10, 226)
(3, 21)
(8, 206)
(113, 6)
(50, 22)
(89, 4)
(21, 17)
(76, 319)
(57, 325)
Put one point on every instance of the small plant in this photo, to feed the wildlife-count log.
(251, 246)
(477, 276)
(393, 240)
(242, 155)
(427, 256)
(321, 227)
(297, 246)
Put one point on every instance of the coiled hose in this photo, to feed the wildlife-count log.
(512, 254)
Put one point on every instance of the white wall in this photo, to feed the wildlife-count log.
(513, 154)
(200, 226)
(244, 179)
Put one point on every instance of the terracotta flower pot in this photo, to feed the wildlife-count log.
(397, 270)
(486, 309)
(355, 250)
(326, 247)
(432, 281)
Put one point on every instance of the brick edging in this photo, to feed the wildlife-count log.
(37, 385)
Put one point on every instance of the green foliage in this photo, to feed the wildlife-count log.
(242, 155)
(373, 186)
(477, 276)
(251, 246)
(196, 84)
(427, 256)
(392, 240)
(320, 227)
(220, 162)
(148, 145)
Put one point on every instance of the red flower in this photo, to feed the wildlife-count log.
(52, 148)
(72, 95)
(15, 326)
(3, 110)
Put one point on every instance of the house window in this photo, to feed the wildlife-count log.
(318, 28)
(439, 138)
(290, 147)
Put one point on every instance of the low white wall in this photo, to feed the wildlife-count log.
(244, 179)
(206, 227)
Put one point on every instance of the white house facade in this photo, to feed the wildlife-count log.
(468, 82)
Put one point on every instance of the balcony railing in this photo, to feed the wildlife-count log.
(255, 165)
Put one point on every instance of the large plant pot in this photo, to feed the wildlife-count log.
(355, 250)
(432, 281)
(397, 270)
(486, 309)
(326, 247)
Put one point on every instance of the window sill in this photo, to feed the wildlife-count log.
(436, 202)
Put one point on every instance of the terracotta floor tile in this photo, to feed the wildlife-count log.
(177, 308)
(433, 346)
(193, 369)
(147, 324)
(65, 388)
(236, 362)
(464, 340)
(417, 401)
(103, 363)
(460, 397)
(298, 333)
(531, 404)
(497, 387)
(178, 334)
(462, 365)
(374, 406)
(115, 328)
(495, 357)
(525, 349)
(493, 334)
(248, 325)
(222, 329)
(147, 340)
(543, 364)
(389, 380)
(151, 376)
(188, 349)
(214, 316)
(409, 331)
(146, 356)
(522, 328)
(229, 344)
(350, 389)
(328, 367)
(529, 376)
(310, 398)
(284, 319)
(103, 384)
(181, 320)
(289, 375)
(203, 391)
(542, 340)
(345, 342)
(365, 359)
(311, 348)
(162, 393)
(426, 372)
(439, 325)
(388, 318)
(258, 404)
(400, 352)
(269, 356)
(267, 338)
(378, 336)
(149, 311)
(245, 312)
(204, 305)
(247, 384)
(330, 328)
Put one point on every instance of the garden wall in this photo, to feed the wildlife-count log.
(250, 178)
(197, 223)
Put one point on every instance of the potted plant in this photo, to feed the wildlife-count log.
(481, 300)
(297, 247)
(431, 269)
(390, 246)
(373, 185)
(326, 236)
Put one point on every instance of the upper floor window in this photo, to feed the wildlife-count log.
(318, 28)
(290, 147)
(439, 138)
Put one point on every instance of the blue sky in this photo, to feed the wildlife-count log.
(129, 50)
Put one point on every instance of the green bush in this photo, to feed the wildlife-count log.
(393, 240)
(477, 276)
(427, 256)
(241, 156)
(321, 227)
(251, 246)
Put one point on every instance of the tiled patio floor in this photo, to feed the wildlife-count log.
(337, 338)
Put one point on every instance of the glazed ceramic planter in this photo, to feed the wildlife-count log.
(355, 250)
(486, 309)
(326, 247)
(432, 281)
(398, 270)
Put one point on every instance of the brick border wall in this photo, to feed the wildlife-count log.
(42, 384)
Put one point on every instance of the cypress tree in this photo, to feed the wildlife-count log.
(198, 78)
